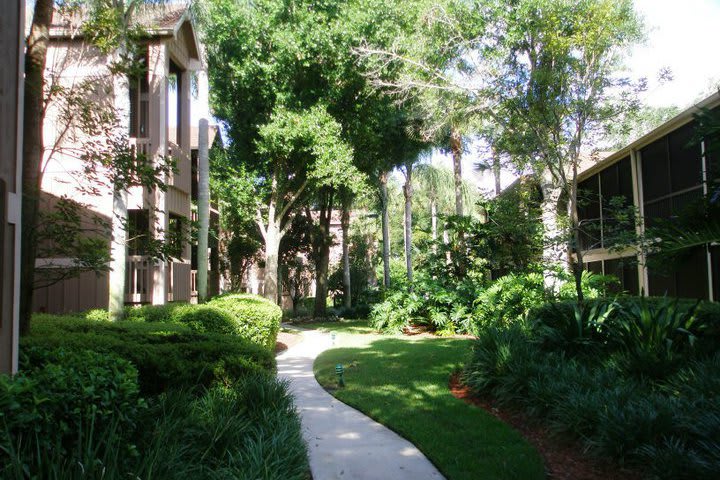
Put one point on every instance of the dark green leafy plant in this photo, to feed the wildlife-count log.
(73, 405)
(656, 336)
(165, 355)
(587, 327)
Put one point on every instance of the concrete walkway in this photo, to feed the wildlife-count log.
(343, 443)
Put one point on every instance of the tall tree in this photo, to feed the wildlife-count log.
(305, 152)
(33, 150)
(547, 72)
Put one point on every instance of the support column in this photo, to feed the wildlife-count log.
(158, 69)
(203, 210)
(11, 85)
(636, 171)
(118, 241)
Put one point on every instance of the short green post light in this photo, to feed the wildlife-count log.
(339, 370)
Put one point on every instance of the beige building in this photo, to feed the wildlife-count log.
(659, 174)
(154, 108)
(11, 74)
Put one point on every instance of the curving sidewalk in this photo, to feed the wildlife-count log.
(342, 442)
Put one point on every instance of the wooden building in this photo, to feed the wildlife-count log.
(155, 115)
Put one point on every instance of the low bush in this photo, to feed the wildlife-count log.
(152, 313)
(657, 336)
(442, 308)
(248, 430)
(166, 355)
(68, 408)
(400, 309)
(78, 416)
(508, 300)
(256, 319)
(653, 332)
(248, 316)
(578, 381)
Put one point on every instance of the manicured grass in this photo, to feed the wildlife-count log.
(403, 383)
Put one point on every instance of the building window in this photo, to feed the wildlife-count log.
(176, 236)
(195, 178)
(624, 269)
(684, 279)
(672, 174)
(174, 104)
(138, 230)
(599, 197)
(139, 102)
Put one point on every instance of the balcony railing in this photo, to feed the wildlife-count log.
(140, 146)
(193, 284)
(138, 279)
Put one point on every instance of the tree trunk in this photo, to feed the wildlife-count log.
(408, 192)
(272, 250)
(33, 149)
(118, 245)
(577, 260)
(496, 172)
(322, 246)
(385, 229)
(345, 222)
(554, 245)
(203, 210)
(456, 149)
(118, 256)
(433, 219)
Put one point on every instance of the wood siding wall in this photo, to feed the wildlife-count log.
(11, 23)
(77, 294)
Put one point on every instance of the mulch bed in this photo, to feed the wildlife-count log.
(286, 340)
(564, 459)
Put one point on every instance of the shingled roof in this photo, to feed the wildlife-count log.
(158, 20)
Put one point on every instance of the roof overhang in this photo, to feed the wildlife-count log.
(684, 117)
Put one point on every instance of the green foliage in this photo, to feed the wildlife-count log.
(200, 318)
(256, 319)
(165, 355)
(443, 308)
(250, 317)
(657, 335)
(509, 299)
(67, 407)
(634, 379)
(247, 430)
(78, 416)
(400, 309)
(585, 329)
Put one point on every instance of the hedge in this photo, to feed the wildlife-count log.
(250, 317)
(165, 355)
(256, 318)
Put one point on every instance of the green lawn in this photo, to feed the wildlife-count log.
(403, 383)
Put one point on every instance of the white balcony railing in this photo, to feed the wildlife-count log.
(138, 279)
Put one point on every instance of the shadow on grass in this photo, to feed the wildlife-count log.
(403, 384)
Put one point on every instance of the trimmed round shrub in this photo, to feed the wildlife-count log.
(256, 318)
(153, 313)
(205, 318)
